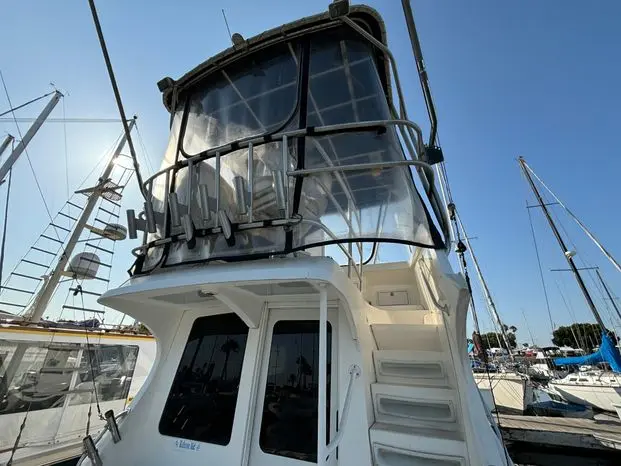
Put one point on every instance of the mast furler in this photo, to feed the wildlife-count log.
(42, 299)
(559, 239)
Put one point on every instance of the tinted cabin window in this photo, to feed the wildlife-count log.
(289, 424)
(201, 403)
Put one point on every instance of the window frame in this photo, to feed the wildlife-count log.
(259, 456)
(185, 339)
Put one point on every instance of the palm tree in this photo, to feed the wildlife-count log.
(304, 369)
(227, 347)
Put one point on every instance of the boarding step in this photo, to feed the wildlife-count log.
(406, 337)
(398, 446)
(405, 367)
(421, 407)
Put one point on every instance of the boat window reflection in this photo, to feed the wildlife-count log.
(245, 99)
(43, 375)
(289, 424)
(201, 403)
(111, 367)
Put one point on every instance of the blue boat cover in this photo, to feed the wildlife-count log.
(608, 352)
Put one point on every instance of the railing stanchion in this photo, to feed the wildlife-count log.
(250, 181)
(323, 374)
(285, 169)
(217, 220)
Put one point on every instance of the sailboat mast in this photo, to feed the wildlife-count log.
(561, 243)
(11, 159)
(7, 140)
(488, 295)
(45, 294)
(580, 224)
(608, 293)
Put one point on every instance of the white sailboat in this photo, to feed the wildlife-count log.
(596, 388)
(59, 377)
(285, 157)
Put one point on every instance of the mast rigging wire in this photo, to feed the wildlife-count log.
(577, 220)
(4, 227)
(19, 131)
(543, 283)
(64, 120)
(11, 110)
(117, 96)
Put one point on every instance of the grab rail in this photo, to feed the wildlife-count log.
(354, 373)
(414, 150)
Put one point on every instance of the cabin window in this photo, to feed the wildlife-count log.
(250, 97)
(37, 377)
(201, 403)
(44, 376)
(111, 367)
(289, 422)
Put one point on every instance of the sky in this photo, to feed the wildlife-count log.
(531, 78)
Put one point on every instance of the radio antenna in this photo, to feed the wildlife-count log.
(227, 25)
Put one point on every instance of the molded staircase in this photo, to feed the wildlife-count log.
(417, 414)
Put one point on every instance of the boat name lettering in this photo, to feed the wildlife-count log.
(185, 445)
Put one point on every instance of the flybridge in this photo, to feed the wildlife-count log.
(286, 142)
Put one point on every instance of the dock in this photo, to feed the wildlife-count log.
(556, 440)
(562, 432)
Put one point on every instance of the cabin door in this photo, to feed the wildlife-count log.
(285, 418)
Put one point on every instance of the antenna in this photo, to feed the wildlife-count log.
(227, 25)
(119, 102)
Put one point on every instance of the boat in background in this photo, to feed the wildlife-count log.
(595, 387)
(512, 392)
(56, 382)
(543, 368)
(58, 377)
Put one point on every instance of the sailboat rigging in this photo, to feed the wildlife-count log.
(601, 389)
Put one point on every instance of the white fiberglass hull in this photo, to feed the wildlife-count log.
(511, 392)
(595, 395)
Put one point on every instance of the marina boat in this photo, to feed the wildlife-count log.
(55, 384)
(502, 387)
(597, 388)
(58, 377)
(512, 392)
(543, 368)
(283, 338)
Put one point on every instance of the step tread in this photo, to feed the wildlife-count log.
(415, 337)
(412, 354)
(411, 367)
(423, 407)
(414, 392)
(443, 445)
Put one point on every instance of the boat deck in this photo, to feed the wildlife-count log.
(562, 432)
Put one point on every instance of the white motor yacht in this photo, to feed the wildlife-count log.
(295, 269)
